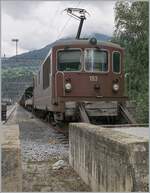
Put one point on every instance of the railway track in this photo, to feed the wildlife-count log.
(60, 128)
(124, 119)
(64, 128)
(10, 111)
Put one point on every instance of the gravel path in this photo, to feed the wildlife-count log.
(39, 142)
(41, 147)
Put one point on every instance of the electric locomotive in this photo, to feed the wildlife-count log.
(80, 76)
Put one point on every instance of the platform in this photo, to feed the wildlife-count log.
(136, 131)
(11, 159)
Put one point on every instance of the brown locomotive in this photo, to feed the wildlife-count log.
(81, 79)
(80, 71)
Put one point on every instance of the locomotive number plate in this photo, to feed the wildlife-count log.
(93, 78)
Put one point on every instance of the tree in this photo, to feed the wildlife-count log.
(131, 31)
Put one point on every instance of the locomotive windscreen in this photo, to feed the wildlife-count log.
(96, 60)
(69, 60)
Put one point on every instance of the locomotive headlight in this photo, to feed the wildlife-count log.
(115, 87)
(68, 87)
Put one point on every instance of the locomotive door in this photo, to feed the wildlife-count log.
(59, 84)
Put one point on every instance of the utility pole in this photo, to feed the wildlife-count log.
(16, 41)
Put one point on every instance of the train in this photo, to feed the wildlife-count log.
(80, 79)
(79, 73)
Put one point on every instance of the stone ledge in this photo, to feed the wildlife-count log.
(107, 159)
(11, 159)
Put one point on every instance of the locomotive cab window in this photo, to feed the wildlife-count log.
(116, 62)
(69, 60)
(96, 60)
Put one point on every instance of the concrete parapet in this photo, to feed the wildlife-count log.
(107, 159)
(11, 159)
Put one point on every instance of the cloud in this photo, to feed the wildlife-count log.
(20, 9)
(38, 23)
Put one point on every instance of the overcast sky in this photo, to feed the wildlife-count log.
(39, 23)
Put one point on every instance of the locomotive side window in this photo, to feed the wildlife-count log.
(69, 60)
(46, 71)
(116, 62)
(96, 60)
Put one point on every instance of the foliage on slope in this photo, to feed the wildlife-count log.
(131, 31)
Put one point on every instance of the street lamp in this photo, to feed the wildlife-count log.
(16, 41)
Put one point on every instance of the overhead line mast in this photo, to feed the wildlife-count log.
(78, 14)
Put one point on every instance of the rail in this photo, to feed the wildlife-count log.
(83, 114)
(9, 113)
(126, 114)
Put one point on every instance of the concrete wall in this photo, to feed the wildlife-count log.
(11, 160)
(108, 160)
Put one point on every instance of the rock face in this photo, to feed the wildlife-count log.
(107, 159)
(11, 159)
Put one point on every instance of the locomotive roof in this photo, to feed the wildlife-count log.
(81, 42)
(84, 42)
